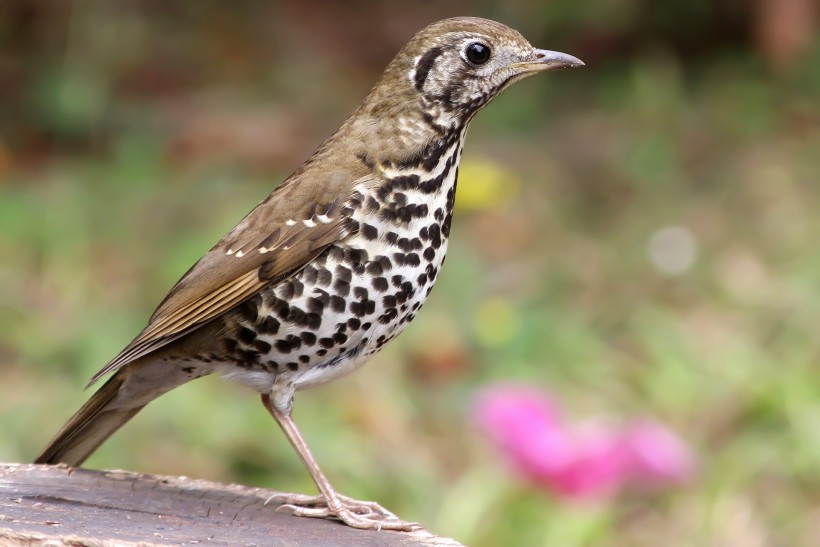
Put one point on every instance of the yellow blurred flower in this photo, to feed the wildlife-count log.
(484, 184)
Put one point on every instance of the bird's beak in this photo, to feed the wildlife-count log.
(544, 59)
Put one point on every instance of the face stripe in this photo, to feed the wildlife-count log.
(424, 65)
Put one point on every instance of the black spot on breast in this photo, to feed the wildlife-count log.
(429, 254)
(314, 305)
(246, 335)
(309, 274)
(281, 309)
(351, 225)
(354, 256)
(337, 303)
(308, 338)
(286, 345)
(379, 284)
(343, 273)
(324, 277)
(249, 310)
(374, 268)
(360, 293)
(433, 154)
(286, 290)
(249, 356)
(322, 295)
(298, 288)
(297, 317)
(314, 321)
(262, 347)
(342, 288)
(369, 231)
(371, 204)
(358, 309)
(388, 316)
(335, 253)
(424, 66)
(435, 235)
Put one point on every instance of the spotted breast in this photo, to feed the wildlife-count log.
(359, 294)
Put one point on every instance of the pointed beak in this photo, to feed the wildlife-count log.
(545, 59)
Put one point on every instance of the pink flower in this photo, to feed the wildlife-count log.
(592, 459)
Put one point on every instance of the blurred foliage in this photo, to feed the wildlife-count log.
(133, 134)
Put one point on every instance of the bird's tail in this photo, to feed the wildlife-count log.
(131, 388)
(97, 420)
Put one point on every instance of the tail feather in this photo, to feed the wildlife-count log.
(90, 426)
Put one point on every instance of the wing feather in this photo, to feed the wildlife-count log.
(266, 247)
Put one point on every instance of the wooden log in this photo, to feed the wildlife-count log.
(59, 505)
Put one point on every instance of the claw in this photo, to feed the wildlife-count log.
(366, 515)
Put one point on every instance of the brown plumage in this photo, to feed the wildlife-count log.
(334, 263)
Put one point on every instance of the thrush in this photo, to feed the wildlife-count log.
(333, 264)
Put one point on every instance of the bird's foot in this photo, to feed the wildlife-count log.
(367, 515)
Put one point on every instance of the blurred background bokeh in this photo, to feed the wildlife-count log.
(639, 237)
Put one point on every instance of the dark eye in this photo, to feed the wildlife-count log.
(478, 53)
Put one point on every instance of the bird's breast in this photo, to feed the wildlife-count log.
(361, 292)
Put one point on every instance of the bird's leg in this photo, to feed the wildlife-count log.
(358, 514)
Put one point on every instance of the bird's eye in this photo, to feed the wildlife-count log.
(478, 53)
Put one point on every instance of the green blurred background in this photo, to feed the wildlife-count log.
(639, 237)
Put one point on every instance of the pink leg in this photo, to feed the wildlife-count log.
(358, 514)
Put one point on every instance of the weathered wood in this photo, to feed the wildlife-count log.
(59, 505)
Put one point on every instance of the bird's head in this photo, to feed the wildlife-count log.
(458, 65)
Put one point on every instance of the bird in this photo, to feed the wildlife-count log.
(333, 264)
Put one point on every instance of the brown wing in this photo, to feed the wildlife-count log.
(282, 234)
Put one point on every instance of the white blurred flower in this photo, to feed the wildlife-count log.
(672, 249)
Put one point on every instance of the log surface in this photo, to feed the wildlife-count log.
(59, 505)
